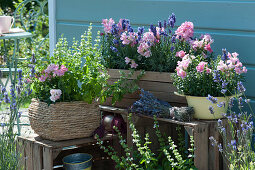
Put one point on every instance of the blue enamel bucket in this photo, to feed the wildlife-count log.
(78, 161)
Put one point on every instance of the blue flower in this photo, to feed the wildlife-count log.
(159, 24)
(153, 30)
(233, 143)
(3, 124)
(6, 98)
(164, 24)
(173, 39)
(211, 109)
(212, 99)
(140, 30)
(220, 122)
(172, 48)
(114, 29)
(220, 147)
(224, 56)
(130, 29)
(115, 41)
(33, 59)
(216, 76)
(221, 104)
(114, 49)
(240, 87)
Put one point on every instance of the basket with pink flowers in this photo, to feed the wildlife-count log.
(67, 88)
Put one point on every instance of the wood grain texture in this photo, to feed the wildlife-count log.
(47, 158)
(37, 156)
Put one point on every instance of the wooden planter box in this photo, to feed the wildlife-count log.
(159, 84)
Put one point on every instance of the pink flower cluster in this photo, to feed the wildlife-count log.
(185, 31)
(180, 54)
(232, 63)
(204, 43)
(183, 65)
(145, 43)
(203, 66)
(131, 62)
(129, 39)
(53, 70)
(108, 25)
(55, 94)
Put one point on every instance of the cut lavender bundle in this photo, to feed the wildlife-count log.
(149, 105)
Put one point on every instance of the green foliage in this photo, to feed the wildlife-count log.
(169, 156)
(86, 77)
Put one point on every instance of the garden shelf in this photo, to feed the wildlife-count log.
(207, 157)
(37, 153)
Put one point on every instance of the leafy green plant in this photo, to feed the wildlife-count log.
(75, 70)
(169, 156)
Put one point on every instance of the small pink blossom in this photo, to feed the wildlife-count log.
(201, 66)
(181, 73)
(108, 25)
(208, 48)
(129, 39)
(186, 31)
(51, 68)
(208, 70)
(222, 66)
(180, 54)
(43, 78)
(133, 64)
(55, 94)
(144, 50)
(127, 60)
(244, 69)
(149, 37)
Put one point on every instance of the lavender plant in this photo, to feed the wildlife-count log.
(10, 102)
(237, 132)
(169, 156)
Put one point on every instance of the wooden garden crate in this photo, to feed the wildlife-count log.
(207, 157)
(37, 153)
(159, 84)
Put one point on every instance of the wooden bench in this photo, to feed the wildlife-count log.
(207, 157)
(37, 153)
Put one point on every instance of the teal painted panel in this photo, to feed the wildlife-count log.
(226, 15)
(230, 22)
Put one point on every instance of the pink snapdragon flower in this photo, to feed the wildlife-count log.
(208, 48)
(127, 60)
(55, 94)
(149, 37)
(201, 66)
(184, 64)
(129, 39)
(186, 31)
(133, 64)
(144, 49)
(180, 54)
(51, 68)
(61, 71)
(207, 39)
(222, 66)
(181, 73)
(158, 31)
(108, 25)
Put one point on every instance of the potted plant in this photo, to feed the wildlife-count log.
(155, 51)
(67, 87)
(201, 79)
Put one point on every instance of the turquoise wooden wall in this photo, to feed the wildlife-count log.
(230, 22)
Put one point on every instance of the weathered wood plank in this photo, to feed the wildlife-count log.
(148, 76)
(37, 156)
(29, 155)
(47, 158)
(201, 146)
(61, 144)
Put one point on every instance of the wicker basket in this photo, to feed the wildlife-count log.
(64, 120)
